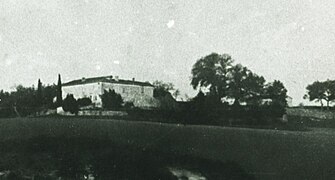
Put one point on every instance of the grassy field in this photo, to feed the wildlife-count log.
(264, 154)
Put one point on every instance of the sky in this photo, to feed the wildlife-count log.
(290, 40)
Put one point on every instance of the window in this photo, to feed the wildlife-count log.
(123, 90)
(142, 89)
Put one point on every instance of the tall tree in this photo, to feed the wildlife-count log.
(277, 92)
(237, 75)
(162, 89)
(49, 94)
(211, 72)
(24, 100)
(59, 92)
(244, 85)
(315, 92)
(329, 91)
(39, 94)
(255, 89)
(319, 91)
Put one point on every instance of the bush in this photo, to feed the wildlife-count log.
(129, 105)
(167, 103)
(70, 104)
(82, 102)
(202, 110)
(111, 100)
(277, 110)
(6, 112)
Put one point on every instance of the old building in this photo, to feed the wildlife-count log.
(139, 93)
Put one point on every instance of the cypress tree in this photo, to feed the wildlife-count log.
(59, 92)
(39, 95)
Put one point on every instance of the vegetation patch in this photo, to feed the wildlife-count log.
(80, 158)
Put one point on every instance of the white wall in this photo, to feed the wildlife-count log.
(91, 90)
(141, 96)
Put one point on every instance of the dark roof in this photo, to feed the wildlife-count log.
(107, 79)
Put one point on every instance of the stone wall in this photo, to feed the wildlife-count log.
(311, 113)
(91, 90)
(101, 113)
(141, 96)
(93, 113)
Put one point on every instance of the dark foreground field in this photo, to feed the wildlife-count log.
(111, 149)
(84, 158)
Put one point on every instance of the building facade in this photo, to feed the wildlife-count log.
(139, 93)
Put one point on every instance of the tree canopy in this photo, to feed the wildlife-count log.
(277, 92)
(211, 72)
(162, 89)
(319, 91)
(111, 100)
(223, 79)
(70, 104)
(244, 85)
(27, 100)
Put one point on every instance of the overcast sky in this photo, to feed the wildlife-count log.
(292, 41)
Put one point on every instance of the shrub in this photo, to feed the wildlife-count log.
(82, 102)
(70, 104)
(129, 105)
(202, 110)
(111, 100)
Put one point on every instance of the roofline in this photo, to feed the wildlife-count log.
(102, 79)
(67, 85)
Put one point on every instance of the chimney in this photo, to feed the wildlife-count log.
(109, 78)
(116, 78)
(133, 79)
(83, 79)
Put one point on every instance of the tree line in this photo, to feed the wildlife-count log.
(217, 78)
(223, 80)
(25, 101)
(218, 81)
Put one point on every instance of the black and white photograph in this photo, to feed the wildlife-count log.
(167, 89)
